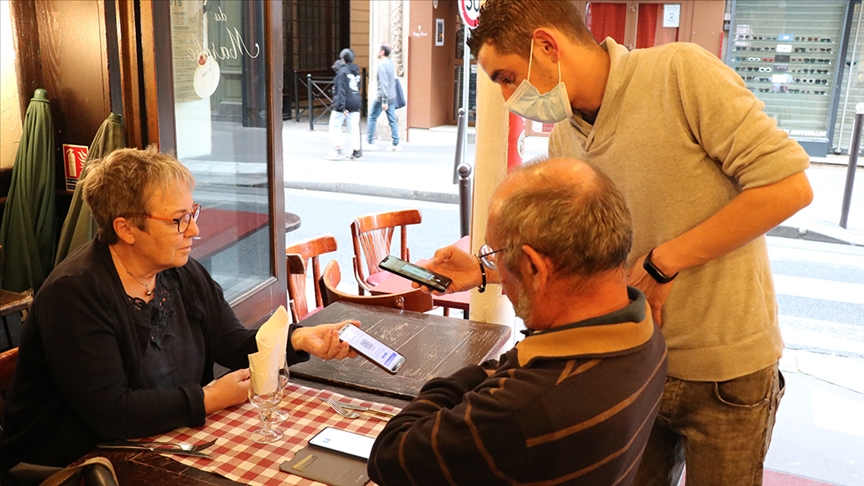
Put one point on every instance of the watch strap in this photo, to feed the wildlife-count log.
(655, 272)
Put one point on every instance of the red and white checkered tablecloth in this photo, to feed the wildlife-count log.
(237, 457)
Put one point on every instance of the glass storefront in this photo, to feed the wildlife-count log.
(791, 55)
(852, 84)
(221, 118)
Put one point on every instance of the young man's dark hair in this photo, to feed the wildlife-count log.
(508, 24)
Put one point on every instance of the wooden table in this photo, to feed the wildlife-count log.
(292, 222)
(432, 345)
(457, 300)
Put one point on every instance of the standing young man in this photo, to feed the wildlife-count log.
(706, 173)
(385, 100)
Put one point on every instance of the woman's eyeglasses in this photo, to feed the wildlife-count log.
(183, 221)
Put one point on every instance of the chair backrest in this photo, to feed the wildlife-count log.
(372, 236)
(413, 300)
(8, 360)
(298, 264)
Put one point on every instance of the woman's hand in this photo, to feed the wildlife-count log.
(323, 341)
(460, 266)
(231, 389)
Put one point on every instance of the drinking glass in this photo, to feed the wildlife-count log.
(266, 403)
(280, 415)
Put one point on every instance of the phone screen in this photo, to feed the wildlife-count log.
(343, 441)
(415, 273)
(371, 348)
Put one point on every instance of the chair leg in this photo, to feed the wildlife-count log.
(446, 311)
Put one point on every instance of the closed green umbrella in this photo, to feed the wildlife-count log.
(28, 230)
(80, 227)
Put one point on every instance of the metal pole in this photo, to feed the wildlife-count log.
(460, 145)
(852, 68)
(466, 81)
(311, 111)
(296, 97)
(464, 199)
(854, 147)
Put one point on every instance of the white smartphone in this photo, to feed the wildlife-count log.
(372, 349)
(343, 441)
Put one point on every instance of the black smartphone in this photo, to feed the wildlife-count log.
(343, 441)
(372, 349)
(415, 273)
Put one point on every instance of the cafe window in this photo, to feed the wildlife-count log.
(634, 24)
(222, 121)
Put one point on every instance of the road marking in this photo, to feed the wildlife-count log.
(852, 293)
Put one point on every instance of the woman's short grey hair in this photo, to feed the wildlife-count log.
(121, 184)
(583, 228)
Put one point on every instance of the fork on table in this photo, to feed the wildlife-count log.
(355, 411)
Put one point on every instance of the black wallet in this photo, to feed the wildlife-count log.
(327, 467)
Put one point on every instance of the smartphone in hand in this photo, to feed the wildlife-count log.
(372, 349)
(415, 273)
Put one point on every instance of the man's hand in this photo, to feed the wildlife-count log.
(323, 341)
(655, 292)
(462, 268)
(230, 389)
(384, 106)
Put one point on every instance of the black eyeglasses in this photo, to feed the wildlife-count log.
(486, 258)
(183, 221)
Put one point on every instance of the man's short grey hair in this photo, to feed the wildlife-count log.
(583, 228)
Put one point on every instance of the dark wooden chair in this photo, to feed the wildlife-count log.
(413, 300)
(8, 361)
(372, 236)
(299, 255)
(13, 305)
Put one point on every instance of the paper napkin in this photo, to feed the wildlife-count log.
(272, 339)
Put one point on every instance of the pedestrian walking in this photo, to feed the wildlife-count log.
(385, 101)
(346, 106)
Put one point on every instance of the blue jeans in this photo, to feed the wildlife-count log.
(391, 117)
(721, 429)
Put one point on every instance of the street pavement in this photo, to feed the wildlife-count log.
(819, 434)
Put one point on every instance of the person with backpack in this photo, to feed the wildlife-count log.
(346, 106)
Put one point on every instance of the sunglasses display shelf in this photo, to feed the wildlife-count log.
(801, 67)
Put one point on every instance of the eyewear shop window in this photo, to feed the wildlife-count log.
(790, 55)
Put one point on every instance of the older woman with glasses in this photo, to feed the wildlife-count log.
(122, 336)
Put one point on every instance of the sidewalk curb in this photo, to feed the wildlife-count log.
(808, 234)
(367, 190)
(782, 231)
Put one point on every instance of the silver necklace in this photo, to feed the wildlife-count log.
(147, 291)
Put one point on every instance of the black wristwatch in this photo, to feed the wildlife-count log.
(655, 272)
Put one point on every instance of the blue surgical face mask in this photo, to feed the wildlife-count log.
(550, 107)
